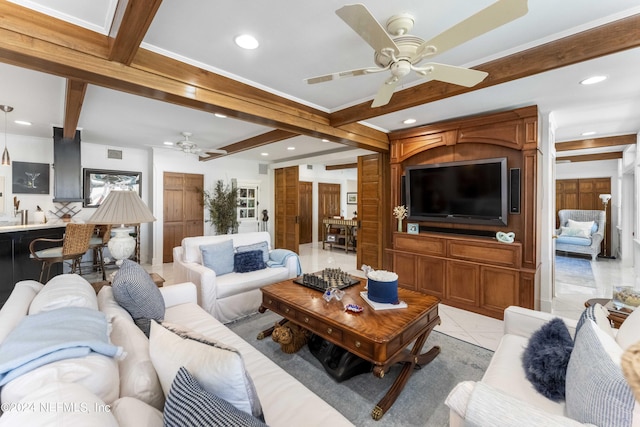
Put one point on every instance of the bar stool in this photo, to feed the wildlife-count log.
(97, 243)
(75, 243)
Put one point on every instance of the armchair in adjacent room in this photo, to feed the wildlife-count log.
(581, 231)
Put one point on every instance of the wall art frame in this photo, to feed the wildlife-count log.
(352, 198)
(30, 178)
(98, 183)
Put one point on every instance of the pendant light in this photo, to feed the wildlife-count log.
(6, 160)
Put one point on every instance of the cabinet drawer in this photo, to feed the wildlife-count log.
(357, 345)
(419, 244)
(508, 255)
(319, 327)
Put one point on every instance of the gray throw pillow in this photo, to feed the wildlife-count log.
(218, 256)
(262, 246)
(136, 292)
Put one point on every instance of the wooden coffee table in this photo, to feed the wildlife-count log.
(379, 336)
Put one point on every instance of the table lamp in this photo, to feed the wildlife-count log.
(119, 208)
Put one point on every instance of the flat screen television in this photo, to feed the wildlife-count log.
(469, 192)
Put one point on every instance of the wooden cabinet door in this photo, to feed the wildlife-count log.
(404, 265)
(498, 288)
(431, 276)
(462, 283)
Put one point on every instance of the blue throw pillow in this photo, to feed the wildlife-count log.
(263, 246)
(189, 405)
(245, 262)
(136, 292)
(546, 358)
(218, 256)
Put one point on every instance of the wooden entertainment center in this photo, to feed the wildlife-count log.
(464, 264)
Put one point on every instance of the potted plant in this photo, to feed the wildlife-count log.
(222, 205)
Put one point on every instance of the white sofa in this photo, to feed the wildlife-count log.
(233, 295)
(89, 394)
(506, 397)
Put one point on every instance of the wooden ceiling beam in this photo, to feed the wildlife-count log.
(73, 106)
(593, 43)
(256, 141)
(590, 157)
(609, 141)
(132, 19)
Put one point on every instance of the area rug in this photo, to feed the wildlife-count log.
(421, 403)
(574, 271)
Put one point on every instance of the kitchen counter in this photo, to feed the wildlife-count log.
(15, 261)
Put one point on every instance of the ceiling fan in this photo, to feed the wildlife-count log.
(190, 147)
(401, 53)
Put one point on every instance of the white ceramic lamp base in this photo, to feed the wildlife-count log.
(121, 245)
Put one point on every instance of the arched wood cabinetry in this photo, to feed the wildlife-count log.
(462, 264)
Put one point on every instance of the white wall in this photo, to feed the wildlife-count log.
(348, 180)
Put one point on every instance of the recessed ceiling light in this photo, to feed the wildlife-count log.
(168, 143)
(589, 133)
(264, 154)
(246, 41)
(593, 80)
(409, 121)
(325, 140)
(291, 148)
(220, 115)
(22, 122)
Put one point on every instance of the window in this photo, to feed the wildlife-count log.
(247, 202)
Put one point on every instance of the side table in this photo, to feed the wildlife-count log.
(617, 316)
(157, 279)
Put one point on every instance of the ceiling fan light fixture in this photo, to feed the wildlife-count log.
(593, 80)
(247, 41)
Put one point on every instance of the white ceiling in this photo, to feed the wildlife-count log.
(306, 39)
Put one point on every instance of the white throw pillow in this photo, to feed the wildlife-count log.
(218, 368)
(575, 232)
(96, 372)
(588, 226)
(60, 404)
(65, 290)
(132, 412)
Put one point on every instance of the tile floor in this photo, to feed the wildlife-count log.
(474, 328)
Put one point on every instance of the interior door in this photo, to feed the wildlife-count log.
(182, 211)
(328, 204)
(287, 208)
(306, 213)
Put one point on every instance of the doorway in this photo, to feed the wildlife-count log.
(306, 212)
(328, 204)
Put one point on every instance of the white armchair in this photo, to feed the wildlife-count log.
(578, 244)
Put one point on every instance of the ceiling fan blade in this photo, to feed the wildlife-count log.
(451, 74)
(343, 74)
(385, 93)
(358, 17)
(499, 13)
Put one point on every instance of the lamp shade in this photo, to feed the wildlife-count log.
(605, 197)
(122, 207)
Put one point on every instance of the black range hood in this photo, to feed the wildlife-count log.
(67, 182)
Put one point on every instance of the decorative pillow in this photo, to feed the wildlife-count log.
(135, 291)
(575, 232)
(59, 404)
(600, 315)
(190, 405)
(130, 412)
(589, 226)
(219, 368)
(546, 358)
(218, 256)
(262, 246)
(597, 391)
(64, 290)
(245, 262)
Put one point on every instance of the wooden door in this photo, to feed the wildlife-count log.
(306, 215)
(374, 209)
(328, 204)
(287, 208)
(584, 193)
(182, 211)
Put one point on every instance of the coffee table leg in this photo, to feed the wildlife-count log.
(410, 360)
